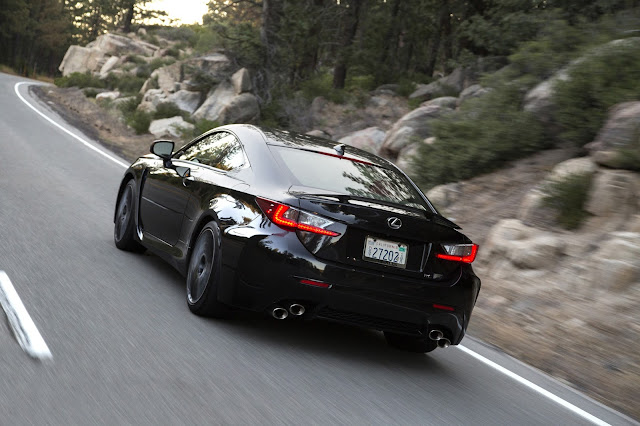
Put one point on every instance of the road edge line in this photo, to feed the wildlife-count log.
(536, 388)
(50, 120)
(23, 327)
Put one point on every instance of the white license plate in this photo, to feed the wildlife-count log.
(385, 251)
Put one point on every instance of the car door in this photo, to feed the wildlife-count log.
(163, 201)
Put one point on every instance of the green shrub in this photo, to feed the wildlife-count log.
(79, 80)
(129, 107)
(406, 87)
(139, 121)
(603, 79)
(567, 197)
(484, 135)
(126, 84)
(166, 110)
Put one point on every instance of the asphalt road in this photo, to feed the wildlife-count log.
(126, 350)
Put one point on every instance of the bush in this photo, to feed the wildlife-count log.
(607, 77)
(567, 197)
(130, 106)
(139, 121)
(125, 83)
(406, 87)
(79, 80)
(166, 110)
(484, 135)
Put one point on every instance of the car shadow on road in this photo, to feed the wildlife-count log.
(317, 337)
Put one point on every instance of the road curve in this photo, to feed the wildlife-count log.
(127, 350)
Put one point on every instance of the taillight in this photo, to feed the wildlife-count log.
(459, 252)
(291, 218)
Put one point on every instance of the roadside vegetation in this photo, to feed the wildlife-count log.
(488, 132)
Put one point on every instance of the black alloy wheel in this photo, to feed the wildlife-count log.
(124, 229)
(203, 276)
(410, 343)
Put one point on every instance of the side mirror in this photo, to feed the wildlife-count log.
(183, 172)
(163, 149)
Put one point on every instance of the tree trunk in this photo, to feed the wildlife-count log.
(351, 28)
(128, 17)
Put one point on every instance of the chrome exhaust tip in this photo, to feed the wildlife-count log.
(297, 309)
(279, 313)
(444, 343)
(435, 335)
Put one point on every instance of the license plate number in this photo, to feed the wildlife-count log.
(386, 252)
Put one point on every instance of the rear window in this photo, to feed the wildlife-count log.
(349, 177)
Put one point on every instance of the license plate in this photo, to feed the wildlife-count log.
(386, 252)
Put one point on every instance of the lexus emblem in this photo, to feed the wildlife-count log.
(394, 223)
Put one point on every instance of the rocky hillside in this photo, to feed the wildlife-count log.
(565, 301)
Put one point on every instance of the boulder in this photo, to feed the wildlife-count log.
(169, 127)
(614, 192)
(216, 101)
(405, 157)
(319, 134)
(369, 139)
(414, 126)
(452, 83)
(215, 66)
(119, 45)
(108, 66)
(151, 99)
(523, 246)
(82, 59)
(539, 100)
(243, 108)
(165, 78)
(616, 264)
(619, 137)
(574, 166)
(425, 92)
(443, 196)
(185, 100)
(387, 89)
(241, 81)
(444, 101)
(473, 91)
(107, 96)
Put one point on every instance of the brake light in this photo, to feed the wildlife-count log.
(465, 253)
(290, 218)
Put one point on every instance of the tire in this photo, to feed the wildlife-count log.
(204, 274)
(410, 343)
(124, 229)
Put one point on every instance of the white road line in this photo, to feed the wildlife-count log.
(78, 138)
(498, 367)
(25, 330)
(579, 411)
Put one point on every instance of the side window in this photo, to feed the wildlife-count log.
(220, 150)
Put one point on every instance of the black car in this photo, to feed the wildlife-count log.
(297, 226)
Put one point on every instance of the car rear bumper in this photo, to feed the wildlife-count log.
(266, 277)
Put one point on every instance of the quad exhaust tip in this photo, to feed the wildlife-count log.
(435, 335)
(279, 313)
(296, 309)
(438, 336)
(444, 343)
